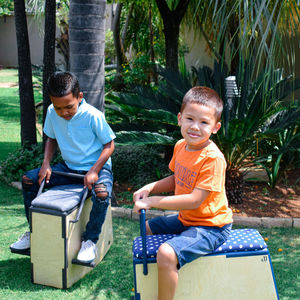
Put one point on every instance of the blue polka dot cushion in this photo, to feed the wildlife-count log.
(239, 240)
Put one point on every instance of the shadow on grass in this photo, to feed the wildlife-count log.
(15, 274)
(8, 147)
(284, 247)
(287, 280)
(10, 108)
(111, 279)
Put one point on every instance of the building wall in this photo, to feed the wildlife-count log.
(198, 55)
(8, 41)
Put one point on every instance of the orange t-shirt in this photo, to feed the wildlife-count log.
(203, 169)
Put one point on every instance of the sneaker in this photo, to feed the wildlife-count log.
(22, 243)
(87, 252)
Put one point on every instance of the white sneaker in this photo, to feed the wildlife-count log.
(22, 243)
(87, 252)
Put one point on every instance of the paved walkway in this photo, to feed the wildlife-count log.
(121, 212)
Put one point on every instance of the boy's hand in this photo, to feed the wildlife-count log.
(141, 200)
(141, 194)
(140, 204)
(45, 172)
(90, 178)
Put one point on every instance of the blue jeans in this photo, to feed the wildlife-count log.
(191, 242)
(99, 208)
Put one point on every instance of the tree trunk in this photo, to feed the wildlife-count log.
(151, 39)
(121, 58)
(49, 52)
(27, 108)
(87, 42)
(172, 20)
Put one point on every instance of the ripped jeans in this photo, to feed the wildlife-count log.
(103, 186)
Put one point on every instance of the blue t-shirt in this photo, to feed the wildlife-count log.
(80, 139)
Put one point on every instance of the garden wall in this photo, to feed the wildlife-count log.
(8, 42)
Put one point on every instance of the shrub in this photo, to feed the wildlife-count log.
(21, 161)
(138, 165)
(135, 165)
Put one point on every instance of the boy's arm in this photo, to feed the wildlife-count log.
(92, 175)
(176, 202)
(45, 171)
(164, 185)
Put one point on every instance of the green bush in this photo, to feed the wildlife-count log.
(21, 161)
(138, 165)
(134, 165)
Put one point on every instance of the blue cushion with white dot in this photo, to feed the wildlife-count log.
(238, 241)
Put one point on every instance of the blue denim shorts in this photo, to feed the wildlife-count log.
(192, 241)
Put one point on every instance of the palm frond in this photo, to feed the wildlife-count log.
(143, 138)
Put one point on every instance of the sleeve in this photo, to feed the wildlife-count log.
(48, 128)
(212, 175)
(172, 161)
(102, 129)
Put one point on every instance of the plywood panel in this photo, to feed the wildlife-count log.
(215, 278)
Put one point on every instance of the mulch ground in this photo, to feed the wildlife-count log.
(259, 199)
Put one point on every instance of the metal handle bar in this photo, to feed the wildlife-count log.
(143, 235)
(69, 174)
(82, 201)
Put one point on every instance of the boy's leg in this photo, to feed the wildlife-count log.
(101, 194)
(148, 229)
(166, 258)
(30, 184)
(167, 272)
(191, 243)
(30, 189)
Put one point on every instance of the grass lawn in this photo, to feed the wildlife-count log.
(10, 139)
(113, 277)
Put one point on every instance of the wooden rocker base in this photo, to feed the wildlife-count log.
(241, 268)
(56, 238)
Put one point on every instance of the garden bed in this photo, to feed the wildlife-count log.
(259, 199)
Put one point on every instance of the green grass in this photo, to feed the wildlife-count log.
(9, 75)
(10, 138)
(113, 277)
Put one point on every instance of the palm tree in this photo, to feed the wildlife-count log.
(27, 108)
(172, 18)
(257, 62)
(87, 41)
(49, 51)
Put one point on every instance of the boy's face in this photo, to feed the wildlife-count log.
(197, 123)
(66, 107)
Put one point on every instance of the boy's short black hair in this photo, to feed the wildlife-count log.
(61, 84)
(204, 96)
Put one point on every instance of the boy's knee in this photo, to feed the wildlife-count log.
(27, 183)
(101, 191)
(166, 256)
(148, 229)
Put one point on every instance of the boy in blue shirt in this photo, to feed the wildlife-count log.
(86, 143)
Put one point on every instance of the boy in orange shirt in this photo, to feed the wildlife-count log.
(204, 220)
